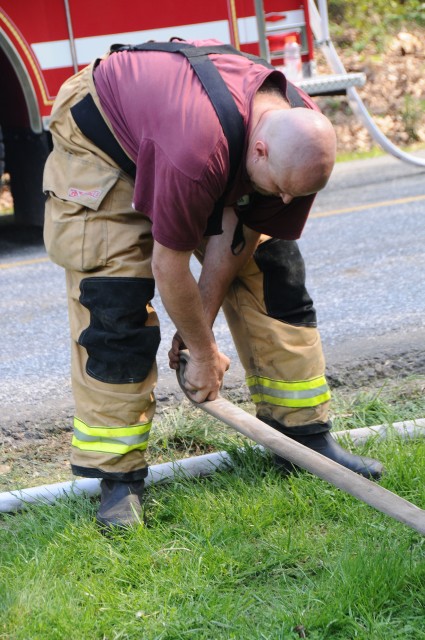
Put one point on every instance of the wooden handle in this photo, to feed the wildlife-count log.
(369, 492)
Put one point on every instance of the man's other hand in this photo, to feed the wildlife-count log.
(203, 377)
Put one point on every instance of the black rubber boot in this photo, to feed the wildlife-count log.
(120, 504)
(324, 443)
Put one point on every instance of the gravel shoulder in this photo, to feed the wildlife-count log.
(358, 364)
(34, 449)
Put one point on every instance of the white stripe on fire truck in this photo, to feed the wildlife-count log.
(57, 54)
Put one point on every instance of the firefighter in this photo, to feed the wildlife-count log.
(144, 173)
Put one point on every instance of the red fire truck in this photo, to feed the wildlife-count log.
(44, 42)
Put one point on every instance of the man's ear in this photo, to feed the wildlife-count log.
(260, 150)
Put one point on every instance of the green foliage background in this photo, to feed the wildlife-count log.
(373, 20)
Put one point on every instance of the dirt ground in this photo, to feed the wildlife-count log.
(36, 451)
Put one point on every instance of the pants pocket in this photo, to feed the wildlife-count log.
(75, 227)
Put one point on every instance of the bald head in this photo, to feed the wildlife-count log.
(298, 145)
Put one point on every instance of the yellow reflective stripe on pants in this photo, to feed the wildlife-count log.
(117, 440)
(302, 393)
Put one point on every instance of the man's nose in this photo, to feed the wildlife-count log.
(286, 199)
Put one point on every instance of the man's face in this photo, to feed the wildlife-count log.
(264, 180)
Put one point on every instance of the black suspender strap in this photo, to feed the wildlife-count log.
(221, 99)
(93, 126)
(224, 105)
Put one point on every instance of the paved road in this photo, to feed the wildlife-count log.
(364, 250)
(367, 266)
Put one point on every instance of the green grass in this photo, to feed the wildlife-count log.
(375, 152)
(245, 554)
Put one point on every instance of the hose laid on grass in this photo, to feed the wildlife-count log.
(405, 429)
(198, 466)
(48, 493)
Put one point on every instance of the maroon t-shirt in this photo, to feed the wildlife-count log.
(165, 121)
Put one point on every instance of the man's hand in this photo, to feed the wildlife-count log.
(203, 379)
(177, 345)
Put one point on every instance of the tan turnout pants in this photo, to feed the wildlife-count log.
(105, 247)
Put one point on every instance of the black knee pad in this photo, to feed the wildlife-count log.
(121, 349)
(285, 295)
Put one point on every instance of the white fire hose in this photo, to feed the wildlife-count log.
(199, 466)
(320, 28)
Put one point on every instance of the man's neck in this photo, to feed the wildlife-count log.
(265, 101)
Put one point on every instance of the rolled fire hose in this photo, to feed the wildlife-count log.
(365, 490)
(319, 25)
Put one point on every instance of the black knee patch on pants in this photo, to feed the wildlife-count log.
(120, 347)
(285, 295)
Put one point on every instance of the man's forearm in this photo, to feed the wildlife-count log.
(181, 298)
(184, 306)
(221, 266)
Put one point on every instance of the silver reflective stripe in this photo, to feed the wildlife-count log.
(127, 440)
(288, 395)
